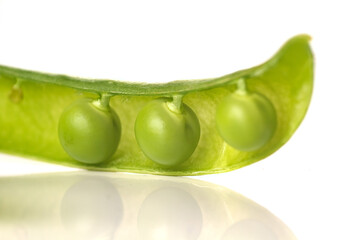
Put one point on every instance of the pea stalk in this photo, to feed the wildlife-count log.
(241, 87)
(103, 101)
(176, 104)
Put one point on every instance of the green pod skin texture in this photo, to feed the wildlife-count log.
(87, 133)
(30, 114)
(246, 121)
(167, 137)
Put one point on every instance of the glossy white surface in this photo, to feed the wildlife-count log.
(106, 206)
(311, 183)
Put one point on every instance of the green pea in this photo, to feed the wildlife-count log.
(160, 134)
(88, 133)
(167, 134)
(246, 121)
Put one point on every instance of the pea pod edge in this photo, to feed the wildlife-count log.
(33, 102)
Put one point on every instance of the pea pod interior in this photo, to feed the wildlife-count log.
(31, 104)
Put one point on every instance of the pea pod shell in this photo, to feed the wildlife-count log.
(29, 127)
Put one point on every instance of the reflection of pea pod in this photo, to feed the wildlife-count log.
(97, 206)
(176, 128)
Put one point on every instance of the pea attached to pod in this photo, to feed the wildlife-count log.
(167, 131)
(245, 120)
(161, 132)
(89, 130)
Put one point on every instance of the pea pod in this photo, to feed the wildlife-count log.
(31, 104)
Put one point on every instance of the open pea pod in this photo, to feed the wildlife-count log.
(202, 138)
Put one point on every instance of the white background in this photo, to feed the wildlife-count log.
(312, 183)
